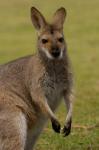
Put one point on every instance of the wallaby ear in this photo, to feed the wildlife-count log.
(37, 19)
(59, 18)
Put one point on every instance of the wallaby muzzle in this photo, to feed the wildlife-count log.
(56, 52)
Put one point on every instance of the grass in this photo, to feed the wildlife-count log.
(18, 38)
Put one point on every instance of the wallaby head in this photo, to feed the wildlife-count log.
(51, 41)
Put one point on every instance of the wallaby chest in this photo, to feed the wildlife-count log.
(54, 82)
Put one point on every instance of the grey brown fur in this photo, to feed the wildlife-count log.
(31, 88)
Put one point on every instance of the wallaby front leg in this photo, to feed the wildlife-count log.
(40, 102)
(68, 101)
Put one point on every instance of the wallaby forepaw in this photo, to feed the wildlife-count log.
(67, 129)
(56, 126)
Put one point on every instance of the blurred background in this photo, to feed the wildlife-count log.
(18, 38)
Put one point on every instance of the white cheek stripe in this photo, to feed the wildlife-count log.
(61, 54)
(47, 53)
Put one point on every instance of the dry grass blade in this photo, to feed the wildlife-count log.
(86, 127)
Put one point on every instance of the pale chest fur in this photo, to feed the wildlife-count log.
(54, 82)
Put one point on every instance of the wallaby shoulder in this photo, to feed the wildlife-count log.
(12, 79)
(14, 66)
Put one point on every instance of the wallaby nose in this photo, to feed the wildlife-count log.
(56, 52)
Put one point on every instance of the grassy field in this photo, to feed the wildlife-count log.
(18, 38)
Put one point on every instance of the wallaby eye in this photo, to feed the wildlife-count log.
(44, 41)
(61, 39)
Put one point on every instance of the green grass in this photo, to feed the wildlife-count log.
(18, 38)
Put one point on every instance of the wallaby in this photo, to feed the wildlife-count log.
(31, 88)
